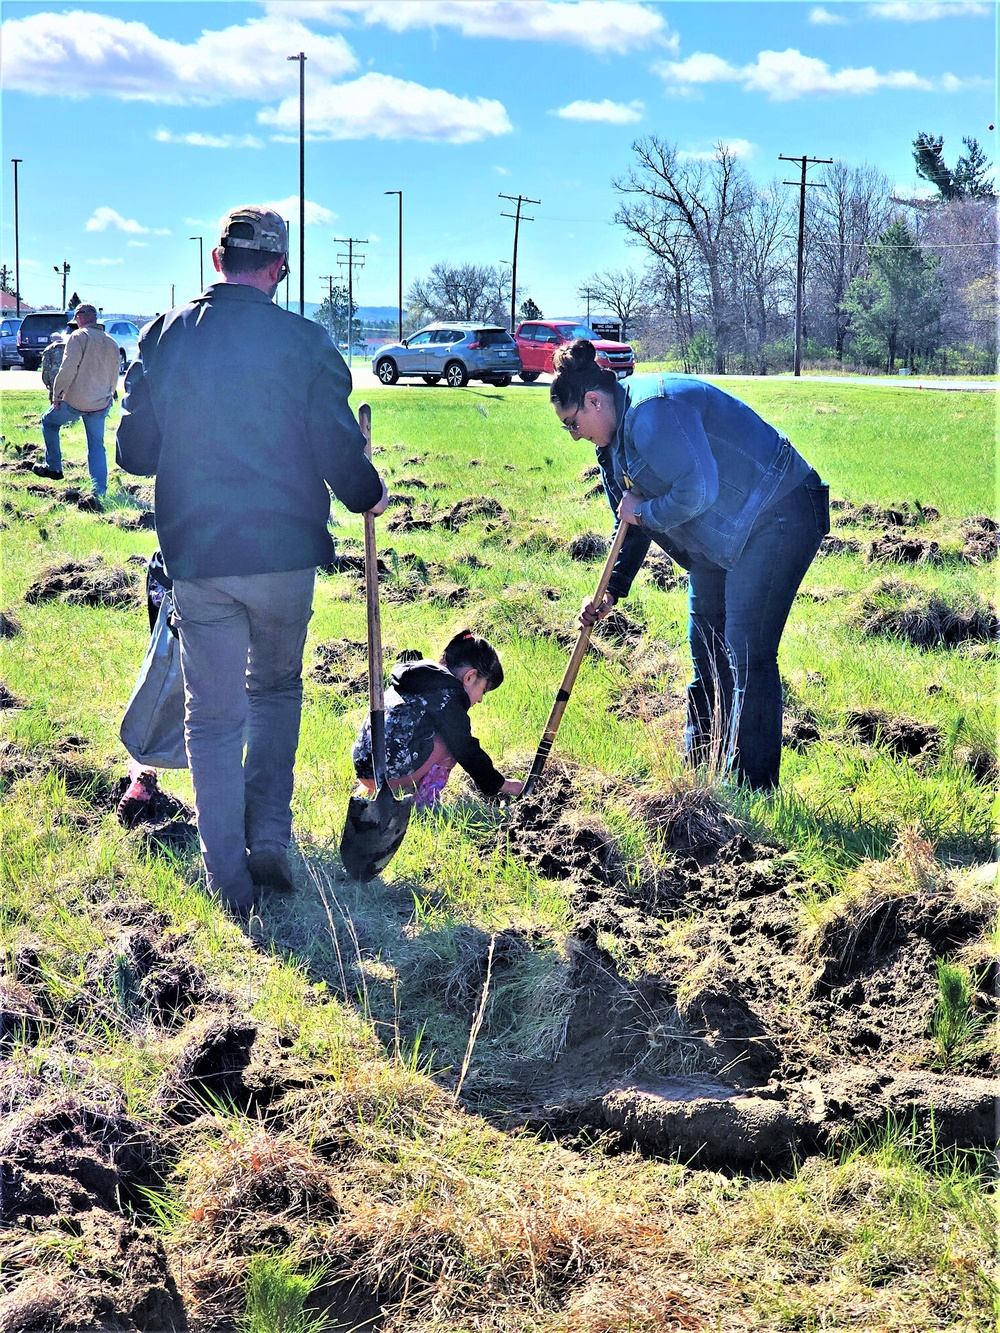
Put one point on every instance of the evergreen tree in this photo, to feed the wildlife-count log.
(334, 317)
(968, 180)
(529, 310)
(896, 308)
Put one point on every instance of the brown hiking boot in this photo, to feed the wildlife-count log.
(270, 870)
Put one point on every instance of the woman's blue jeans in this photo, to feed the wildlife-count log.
(93, 424)
(737, 616)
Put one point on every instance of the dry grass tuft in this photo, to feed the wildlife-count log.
(684, 818)
(902, 610)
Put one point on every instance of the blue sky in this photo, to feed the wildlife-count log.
(140, 124)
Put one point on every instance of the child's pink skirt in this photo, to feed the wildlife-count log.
(427, 783)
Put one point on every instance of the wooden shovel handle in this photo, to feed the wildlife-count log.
(376, 689)
(576, 659)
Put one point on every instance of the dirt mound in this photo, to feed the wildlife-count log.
(868, 515)
(838, 546)
(981, 540)
(590, 473)
(904, 736)
(799, 729)
(8, 699)
(588, 546)
(663, 573)
(131, 521)
(412, 520)
(90, 582)
(620, 629)
(72, 1172)
(686, 819)
(636, 704)
(10, 626)
(475, 507)
(895, 548)
(558, 842)
(902, 610)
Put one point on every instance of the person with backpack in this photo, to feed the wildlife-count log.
(52, 359)
(427, 729)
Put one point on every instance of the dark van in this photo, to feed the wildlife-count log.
(35, 332)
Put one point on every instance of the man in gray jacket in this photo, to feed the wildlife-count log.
(83, 388)
(239, 409)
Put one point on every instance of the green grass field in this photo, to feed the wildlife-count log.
(352, 1148)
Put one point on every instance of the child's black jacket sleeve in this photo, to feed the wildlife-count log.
(452, 725)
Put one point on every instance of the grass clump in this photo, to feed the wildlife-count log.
(276, 1295)
(924, 619)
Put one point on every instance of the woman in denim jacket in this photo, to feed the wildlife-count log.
(726, 496)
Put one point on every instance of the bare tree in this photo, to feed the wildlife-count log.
(762, 264)
(623, 291)
(669, 201)
(843, 222)
(461, 292)
(962, 233)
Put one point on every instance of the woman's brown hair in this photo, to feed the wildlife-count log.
(577, 373)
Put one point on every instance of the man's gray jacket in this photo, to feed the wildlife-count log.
(239, 409)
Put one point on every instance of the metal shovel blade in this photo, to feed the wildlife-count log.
(373, 832)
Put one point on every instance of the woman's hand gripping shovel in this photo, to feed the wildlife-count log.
(575, 662)
(375, 827)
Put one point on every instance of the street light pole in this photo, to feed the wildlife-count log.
(301, 58)
(400, 193)
(201, 263)
(17, 242)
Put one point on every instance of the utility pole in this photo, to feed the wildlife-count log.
(350, 242)
(17, 242)
(201, 261)
(519, 200)
(64, 270)
(287, 232)
(328, 278)
(172, 301)
(586, 292)
(400, 193)
(301, 58)
(804, 162)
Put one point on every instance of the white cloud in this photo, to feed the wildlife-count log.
(909, 11)
(105, 217)
(382, 107)
(502, 171)
(735, 147)
(784, 76)
(603, 26)
(197, 140)
(824, 16)
(139, 245)
(105, 262)
(951, 83)
(316, 214)
(611, 113)
(78, 54)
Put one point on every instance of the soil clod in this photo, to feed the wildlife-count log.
(90, 582)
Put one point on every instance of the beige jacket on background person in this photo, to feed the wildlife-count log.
(88, 375)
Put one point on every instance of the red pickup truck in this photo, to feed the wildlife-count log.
(537, 339)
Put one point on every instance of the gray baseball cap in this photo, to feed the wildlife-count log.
(267, 231)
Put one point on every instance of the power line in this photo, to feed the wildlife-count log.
(803, 184)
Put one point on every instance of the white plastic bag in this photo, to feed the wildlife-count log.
(152, 729)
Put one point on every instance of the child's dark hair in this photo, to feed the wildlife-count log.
(467, 651)
(576, 373)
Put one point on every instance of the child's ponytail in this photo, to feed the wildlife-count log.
(467, 651)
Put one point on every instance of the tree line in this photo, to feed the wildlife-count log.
(889, 282)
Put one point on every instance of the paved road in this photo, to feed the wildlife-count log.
(364, 379)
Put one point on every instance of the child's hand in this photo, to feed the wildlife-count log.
(512, 787)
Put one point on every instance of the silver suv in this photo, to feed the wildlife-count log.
(452, 351)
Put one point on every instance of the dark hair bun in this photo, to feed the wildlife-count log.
(577, 355)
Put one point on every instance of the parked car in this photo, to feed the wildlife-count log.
(126, 335)
(537, 339)
(9, 355)
(35, 331)
(453, 351)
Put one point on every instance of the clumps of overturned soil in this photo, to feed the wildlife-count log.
(905, 737)
(90, 582)
(831, 545)
(664, 574)
(588, 546)
(479, 507)
(900, 549)
(710, 1019)
(981, 540)
(131, 520)
(73, 1170)
(620, 629)
(61, 758)
(868, 515)
(901, 610)
(343, 664)
(7, 698)
(10, 626)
